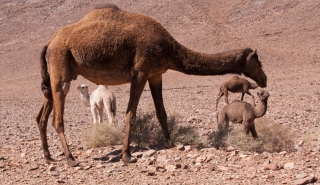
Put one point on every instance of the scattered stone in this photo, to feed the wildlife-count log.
(178, 165)
(60, 154)
(23, 155)
(180, 147)
(51, 167)
(195, 156)
(289, 165)
(137, 154)
(187, 148)
(176, 159)
(151, 173)
(230, 149)
(271, 166)
(211, 167)
(251, 176)
(234, 153)
(222, 168)
(60, 181)
(100, 166)
(306, 180)
(15, 165)
(35, 167)
(148, 154)
(209, 157)
(87, 167)
(162, 159)
(170, 167)
(300, 176)
(77, 168)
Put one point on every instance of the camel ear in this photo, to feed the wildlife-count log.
(255, 51)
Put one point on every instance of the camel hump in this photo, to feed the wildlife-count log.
(107, 5)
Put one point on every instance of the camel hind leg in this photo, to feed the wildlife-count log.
(108, 107)
(60, 77)
(42, 120)
(155, 84)
(59, 92)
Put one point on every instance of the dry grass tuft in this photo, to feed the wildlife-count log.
(272, 138)
(147, 131)
(101, 135)
(312, 139)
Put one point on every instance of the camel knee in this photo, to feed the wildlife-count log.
(65, 87)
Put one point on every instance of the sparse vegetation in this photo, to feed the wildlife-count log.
(101, 135)
(312, 139)
(147, 131)
(272, 138)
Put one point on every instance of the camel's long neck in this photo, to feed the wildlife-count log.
(85, 98)
(261, 109)
(189, 62)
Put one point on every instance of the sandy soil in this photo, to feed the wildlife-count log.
(285, 33)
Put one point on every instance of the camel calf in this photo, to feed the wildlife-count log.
(100, 98)
(236, 85)
(243, 112)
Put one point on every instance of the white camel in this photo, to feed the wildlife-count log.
(100, 98)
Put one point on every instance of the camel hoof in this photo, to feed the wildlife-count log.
(72, 163)
(49, 160)
(167, 144)
(127, 158)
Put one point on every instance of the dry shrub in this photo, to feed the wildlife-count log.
(147, 131)
(272, 138)
(312, 139)
(218, 139)
(101, 135)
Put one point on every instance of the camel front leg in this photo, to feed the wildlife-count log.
(42, 120)
(59, 92)
(138, 82)
(253, 130)
(155, 84)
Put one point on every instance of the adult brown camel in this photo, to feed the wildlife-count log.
(112, 47)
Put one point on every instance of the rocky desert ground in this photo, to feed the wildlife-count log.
(286, 34)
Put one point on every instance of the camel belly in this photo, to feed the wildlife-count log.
(105, 78)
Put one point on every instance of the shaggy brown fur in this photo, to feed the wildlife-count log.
(112, 47)
(243, 112)
(236, 85)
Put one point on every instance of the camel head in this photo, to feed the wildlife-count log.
(83, 88)
(263, 95)
(253, 69)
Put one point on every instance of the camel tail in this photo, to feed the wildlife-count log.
(45, 83)
(253, 86)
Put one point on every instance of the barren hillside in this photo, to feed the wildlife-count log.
(286, 34)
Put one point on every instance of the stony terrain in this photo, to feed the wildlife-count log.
(286, 35)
